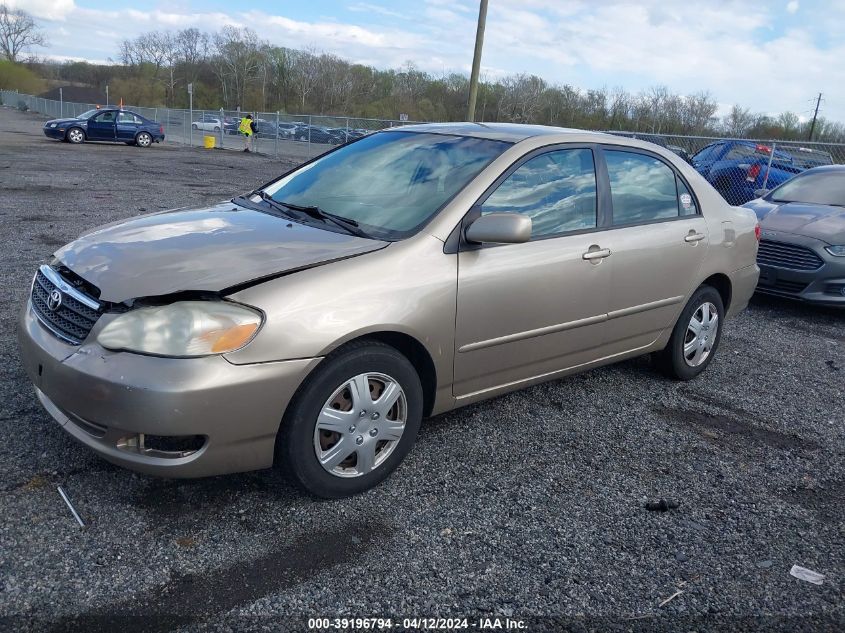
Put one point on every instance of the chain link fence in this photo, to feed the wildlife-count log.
(296, 136)
(739, 169)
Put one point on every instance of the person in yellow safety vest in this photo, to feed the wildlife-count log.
(247, 128)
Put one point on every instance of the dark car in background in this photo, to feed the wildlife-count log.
(106, 124)
(738, 169)
(317, 134)
(802, 245)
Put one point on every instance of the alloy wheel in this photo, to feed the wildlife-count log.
(701, 334)
(76, 136)
(360, 425)
(144, 139)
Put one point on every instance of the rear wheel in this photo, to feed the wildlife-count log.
(352, 422)
(75, 135)
(695, 337)
(143, 139)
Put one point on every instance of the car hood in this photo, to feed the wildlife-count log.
(206, 249)
(66, 121)
(819, 221)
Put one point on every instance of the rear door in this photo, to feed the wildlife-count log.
(658, 240)
(128, 126)
(102, 126)
(526, 310)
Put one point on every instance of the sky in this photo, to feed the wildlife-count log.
(770, 55)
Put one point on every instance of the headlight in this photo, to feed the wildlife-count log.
(185, 328)
(52, 125)
(837, 251)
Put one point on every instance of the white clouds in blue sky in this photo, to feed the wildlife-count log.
(770, 56)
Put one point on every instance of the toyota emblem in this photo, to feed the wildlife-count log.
(54, 301)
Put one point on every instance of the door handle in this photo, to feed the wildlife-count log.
(694, 237)
(597, 254)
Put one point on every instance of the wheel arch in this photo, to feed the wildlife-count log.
(722, 283)
(407, 345)
(76, 127)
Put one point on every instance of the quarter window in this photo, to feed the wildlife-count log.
(557, 190)
(642, 188)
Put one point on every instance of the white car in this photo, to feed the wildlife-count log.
(208, 123)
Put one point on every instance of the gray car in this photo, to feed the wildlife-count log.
(802, 246)
(314, 322)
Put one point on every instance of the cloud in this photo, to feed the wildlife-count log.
(44, 9)
(792, 6)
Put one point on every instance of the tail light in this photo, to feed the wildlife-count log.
(757, 231)
(161, 129)
(765, 149)
(753, 172)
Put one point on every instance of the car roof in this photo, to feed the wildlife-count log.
(511, 132)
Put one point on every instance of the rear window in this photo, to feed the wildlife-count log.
(806, 158)
(642, 188)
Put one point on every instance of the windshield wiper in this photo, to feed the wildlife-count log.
(347, 224)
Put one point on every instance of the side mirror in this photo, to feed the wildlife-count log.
(500, 228)
(759, 193)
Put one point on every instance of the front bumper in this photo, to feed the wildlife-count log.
(823, 286)
(55, 132)
(107, 399)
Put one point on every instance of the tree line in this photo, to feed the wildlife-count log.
(234, 67)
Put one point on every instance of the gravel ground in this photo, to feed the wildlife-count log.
(528, 506)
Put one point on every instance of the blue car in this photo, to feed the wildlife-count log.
(106, 124)
(741, 170)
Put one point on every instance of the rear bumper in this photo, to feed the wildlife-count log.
(743, 282)
(106, 400)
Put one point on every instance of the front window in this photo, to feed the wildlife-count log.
(557, 190)
(88, 114)
(390, 183)
(826, 187)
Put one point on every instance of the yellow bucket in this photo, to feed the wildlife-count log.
(208, 142)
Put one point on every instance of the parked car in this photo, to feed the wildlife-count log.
(315, 321)
(346, 134)
(657, 140)
(208, 123)
(802, 250)
(106, 124)
(288, 129)
(738, 168)
(316, 134)
(231, 124)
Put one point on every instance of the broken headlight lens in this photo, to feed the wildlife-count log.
(183, 329)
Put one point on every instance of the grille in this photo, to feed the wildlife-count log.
(788, 256)
(72, 320)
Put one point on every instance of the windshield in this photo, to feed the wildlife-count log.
(389, 183)
(824, 187)
(807, 158)
(87, 115)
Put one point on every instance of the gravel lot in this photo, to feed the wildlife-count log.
(529, 506)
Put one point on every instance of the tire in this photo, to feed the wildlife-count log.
(329, 388)
(75, 135)
(194, 126)
(143, 139)
(216, 129)
(673, 361)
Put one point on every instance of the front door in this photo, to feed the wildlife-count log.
(658, 240)
(102, 126)
(525, 310)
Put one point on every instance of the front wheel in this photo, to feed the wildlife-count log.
(695, 337)
(75, 135)
(143, 140)
(352, 422)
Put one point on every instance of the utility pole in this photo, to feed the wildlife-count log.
(815, 116)
(476, 60)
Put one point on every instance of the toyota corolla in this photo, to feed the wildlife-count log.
(314, 322)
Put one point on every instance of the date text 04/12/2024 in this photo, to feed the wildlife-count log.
(417, 624)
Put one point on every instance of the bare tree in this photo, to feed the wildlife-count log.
(18, 32)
